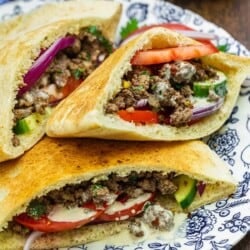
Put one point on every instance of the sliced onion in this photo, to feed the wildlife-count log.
(201, 187)
(189, 33)
(198, 35)
(43, 61)
(32, 237)
(141, 103)
(200, 112)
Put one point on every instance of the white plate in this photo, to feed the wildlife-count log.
(222, 224)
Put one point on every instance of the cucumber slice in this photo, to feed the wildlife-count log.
(186, 190)
(217, 84)
(27, 124)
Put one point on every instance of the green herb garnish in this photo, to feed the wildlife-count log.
(78, 73)
(95, 188)
(138, 88)
(146, 205)
(144, 72)
(88, 56)
(223, 48)
(133, 178)
(98, 34)
(130, 27)
(36, 209)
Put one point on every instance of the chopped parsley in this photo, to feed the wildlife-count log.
(88, 56)
(133, 178)
(36, 209)
(130, 27)
(95, 188)
(223, 48)
(144, 72)
(146, 205)
(78, 73)
(93, 30)
(138, 88)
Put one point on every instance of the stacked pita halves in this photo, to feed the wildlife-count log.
(24, 38)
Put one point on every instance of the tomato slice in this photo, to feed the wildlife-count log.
(69, 87)
(120, 210)
(157, 56)
(44, 224)
(139, 116)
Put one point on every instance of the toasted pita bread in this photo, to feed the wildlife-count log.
(26, 36)
(71, 161)
(72, 13)
(83, 113)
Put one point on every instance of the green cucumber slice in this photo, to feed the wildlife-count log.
(217, 84)
(186, 190)
(30, 122)
(27, 124)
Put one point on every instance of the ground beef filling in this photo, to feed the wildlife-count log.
(78, 61)
(165, 89)
(102, 192)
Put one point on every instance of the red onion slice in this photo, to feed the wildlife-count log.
(32, 237)
(201, 187)
(141, 103)
(200, 112)
(43, 61)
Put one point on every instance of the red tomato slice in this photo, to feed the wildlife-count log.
(70, 86)
(158, 56)
(124, 210)
(45, 225)
(139, 116)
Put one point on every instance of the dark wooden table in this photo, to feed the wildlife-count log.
(233, 16)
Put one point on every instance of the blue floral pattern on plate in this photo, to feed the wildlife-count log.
(222, 224)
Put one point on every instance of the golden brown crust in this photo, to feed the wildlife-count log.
(24, 44)
(52, 13)
(54, 162)
(86, 234)
(82, 113)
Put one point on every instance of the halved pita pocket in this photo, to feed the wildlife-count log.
(119, 182)
(48, 53)
(128, 99)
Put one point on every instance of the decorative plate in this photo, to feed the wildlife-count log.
(219, 225)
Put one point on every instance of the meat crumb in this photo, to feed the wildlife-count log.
(135, 228)
(158, 217)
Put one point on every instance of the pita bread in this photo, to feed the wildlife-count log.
(71, 161)
(26, 36)
(72, 13)
(83, 113)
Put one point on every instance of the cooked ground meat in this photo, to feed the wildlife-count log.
(135, 228)
(78, 61)
(103, 192)
(18, 228)
(155, 216)
(15, 141)
(166, 89)
(158, 217)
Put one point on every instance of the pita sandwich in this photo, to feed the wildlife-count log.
(101, 187)
(135, 95)
(47, 54)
